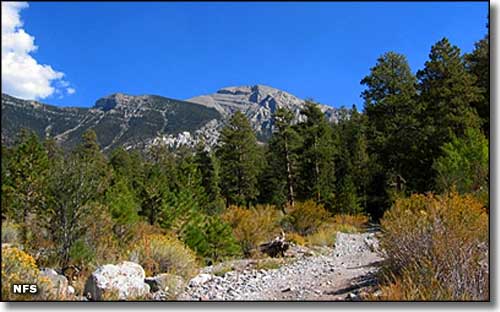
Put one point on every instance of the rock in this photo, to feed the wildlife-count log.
(59, 283)
(126, 279)
(200, 279)
(169, 285)
(352, 297)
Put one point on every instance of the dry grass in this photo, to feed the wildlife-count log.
(269, 264)
(325, 236)
(437, 249)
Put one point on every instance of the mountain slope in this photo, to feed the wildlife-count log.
(119, 120)
(141, 121)
(258, 102)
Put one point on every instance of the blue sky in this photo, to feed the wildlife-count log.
(180, 50)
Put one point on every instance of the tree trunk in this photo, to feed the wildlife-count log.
(289, 175)
(316, 169)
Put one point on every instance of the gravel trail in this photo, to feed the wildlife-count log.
(323, 274)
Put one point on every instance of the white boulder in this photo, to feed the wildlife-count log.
(125, 279)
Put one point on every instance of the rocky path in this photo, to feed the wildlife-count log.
(326, 274)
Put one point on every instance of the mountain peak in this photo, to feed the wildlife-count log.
(117, 100)
(257, 89)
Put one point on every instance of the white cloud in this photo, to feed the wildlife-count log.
(22, 75)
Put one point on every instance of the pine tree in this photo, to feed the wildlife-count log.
(285, 146)
(123, 206)
(212, 239)
(393, 132)
(75, 187)
(447, 91)
(8, 189)
(208, 168)
(27, 177)
(478, 64)
(239, 157)
(352, 161)
(317, 172)
(154, 190)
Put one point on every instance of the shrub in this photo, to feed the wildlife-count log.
(253, 226)
(357, 221)
(164, 254)
(437, 248)
(10, 233)
(325, 236)
(19, 267)
(212, 239)
(464, 165)
(296, 238)
(305, 218)
(100, 237)
(346, 228)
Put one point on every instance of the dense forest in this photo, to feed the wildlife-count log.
(417, 134)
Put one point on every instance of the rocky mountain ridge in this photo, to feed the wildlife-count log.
(258, 103)
(141, 121)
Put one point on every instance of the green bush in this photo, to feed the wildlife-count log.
(213, 240)
(464, 165)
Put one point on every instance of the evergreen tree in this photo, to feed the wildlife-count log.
(75, 187)
(27, 180)
(239, 157)
(123, 206)
(283, 147)
(464, 165)
(317, 172)
(212, 239)
(154, 190)
(90, 151)
(478, 64)
(8, 188)
(447, 91)
(393, 128)
(352, 162)
(208, 168)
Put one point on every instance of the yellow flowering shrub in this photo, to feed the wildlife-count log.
(19, 267)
